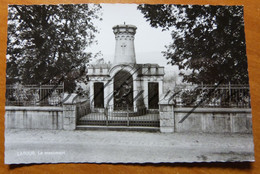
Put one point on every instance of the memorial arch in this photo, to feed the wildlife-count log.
(123, 90)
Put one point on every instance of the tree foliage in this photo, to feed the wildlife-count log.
(208, 42)
(47, 43)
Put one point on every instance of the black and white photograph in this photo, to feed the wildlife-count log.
(127, 83)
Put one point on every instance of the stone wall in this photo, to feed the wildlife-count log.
(210, 120)
(17, 117)
(32, 117)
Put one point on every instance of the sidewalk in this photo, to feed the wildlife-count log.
(53, 146)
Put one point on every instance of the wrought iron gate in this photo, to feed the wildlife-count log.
(124, 117)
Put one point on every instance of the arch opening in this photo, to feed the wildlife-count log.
(123, 90)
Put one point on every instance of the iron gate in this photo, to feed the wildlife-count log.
(120, 117)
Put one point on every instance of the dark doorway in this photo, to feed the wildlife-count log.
(123, 90)
(153, 95)
(98, 95)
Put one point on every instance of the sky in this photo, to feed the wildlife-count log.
(149, 42)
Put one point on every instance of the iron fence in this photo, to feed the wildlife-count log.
(82, 109)
(121, 117)
(228, 95)
(34, 95)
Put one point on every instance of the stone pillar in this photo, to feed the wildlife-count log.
(69, 112)
(160, 88)
(166, 109)
(145, 88)
(111, 96)
(106, 93)
(135, 92)
(91, 95)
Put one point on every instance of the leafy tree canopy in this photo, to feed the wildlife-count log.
(47, 43)
(207, 41)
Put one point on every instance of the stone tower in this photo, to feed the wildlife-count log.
(125, 50)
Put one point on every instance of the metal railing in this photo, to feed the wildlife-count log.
(82, 109)
(228, 95)
(34, 95)
(121, 117)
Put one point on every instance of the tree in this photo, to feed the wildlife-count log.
(47, 43)
(208, 42)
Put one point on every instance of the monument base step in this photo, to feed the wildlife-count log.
(118, 128)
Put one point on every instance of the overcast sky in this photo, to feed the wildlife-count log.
(149, 42)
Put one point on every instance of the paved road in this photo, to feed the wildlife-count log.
(36, 146)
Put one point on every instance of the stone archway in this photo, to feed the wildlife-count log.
(123, 90)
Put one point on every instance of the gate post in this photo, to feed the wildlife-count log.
(166, 109)
(69, 112)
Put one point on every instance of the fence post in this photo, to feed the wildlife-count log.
(201, 87)
(229, 92)
(106, 115)
(63, 88)
(127, 115)
(40, 94)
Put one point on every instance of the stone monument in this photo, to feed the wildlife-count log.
(125, 84)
